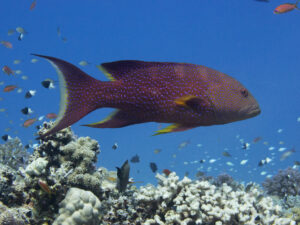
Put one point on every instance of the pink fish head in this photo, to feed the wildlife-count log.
(231, 100)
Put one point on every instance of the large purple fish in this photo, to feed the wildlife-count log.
(183, 94)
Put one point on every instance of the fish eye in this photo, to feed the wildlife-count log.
(244, 92)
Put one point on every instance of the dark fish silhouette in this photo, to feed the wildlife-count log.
(123, 176)
(183, 94)
(153, 167)
(135, 159)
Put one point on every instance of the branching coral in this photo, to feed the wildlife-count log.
(185, 201)
(286, 182)
(13, 154)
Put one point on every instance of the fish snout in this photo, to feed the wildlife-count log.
(251, 111)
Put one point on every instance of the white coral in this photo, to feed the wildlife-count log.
(207, 203)
(79, 207)
(36, 167)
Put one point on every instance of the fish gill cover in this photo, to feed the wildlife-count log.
(255, 42)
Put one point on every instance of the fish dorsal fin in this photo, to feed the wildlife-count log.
(124, 69)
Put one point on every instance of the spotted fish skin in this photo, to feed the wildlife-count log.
(186, 95)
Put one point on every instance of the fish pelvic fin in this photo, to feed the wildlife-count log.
(75, 102)
(116, 119)
(172, 128)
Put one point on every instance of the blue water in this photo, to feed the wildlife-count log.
(241, 38)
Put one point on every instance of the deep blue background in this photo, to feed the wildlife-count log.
(241, 38)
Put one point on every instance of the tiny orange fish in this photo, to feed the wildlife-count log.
(257, 139)
(7, 70)
(285, 8)
(33, 4)
(51, 116)
(9, 88)
(44, 186)
(112, 179)
(29, 122)
(7, 44)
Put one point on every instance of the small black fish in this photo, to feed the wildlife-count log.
(115, 146)
(27, 146)
(26, 110)
(48, 83)
(261, 162)
(123, 176)
(297, 163)
(202, 161)
(245, 146)
(21, 36)
(5, 137)
(38, 127)
(264, 161)
(153, 167)
(135, 159)
(30, 93)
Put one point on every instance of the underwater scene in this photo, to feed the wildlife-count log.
(149, 112)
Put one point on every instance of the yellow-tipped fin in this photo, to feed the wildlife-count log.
(116, 119)
(172, 128)
(107, 74)
(105, 120)
(193, 102)
(182, 101)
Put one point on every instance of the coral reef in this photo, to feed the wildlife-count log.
(191, 202)
(15, 216)
(13, 154)
(11, 191)
(225, 179)
(60, 162)
(61, 185)
(294, 214)
(285, 182)
(79, 207)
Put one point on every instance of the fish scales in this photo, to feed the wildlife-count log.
(186, 95)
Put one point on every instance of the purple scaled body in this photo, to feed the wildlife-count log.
(183, 94)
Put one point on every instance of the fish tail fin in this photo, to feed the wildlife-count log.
(75, 102)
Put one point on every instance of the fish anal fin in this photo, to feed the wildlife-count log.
(116, 119)
(173, 128)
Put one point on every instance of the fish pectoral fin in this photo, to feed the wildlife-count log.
(116, 119)
(192, 101)
(173, 128)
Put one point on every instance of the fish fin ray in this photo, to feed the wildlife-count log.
(108, 75)
(122, 69)
(127, 69)
(72, 83)
(116, 119)
(175, 127)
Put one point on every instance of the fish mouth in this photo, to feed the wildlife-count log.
(251, 111)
